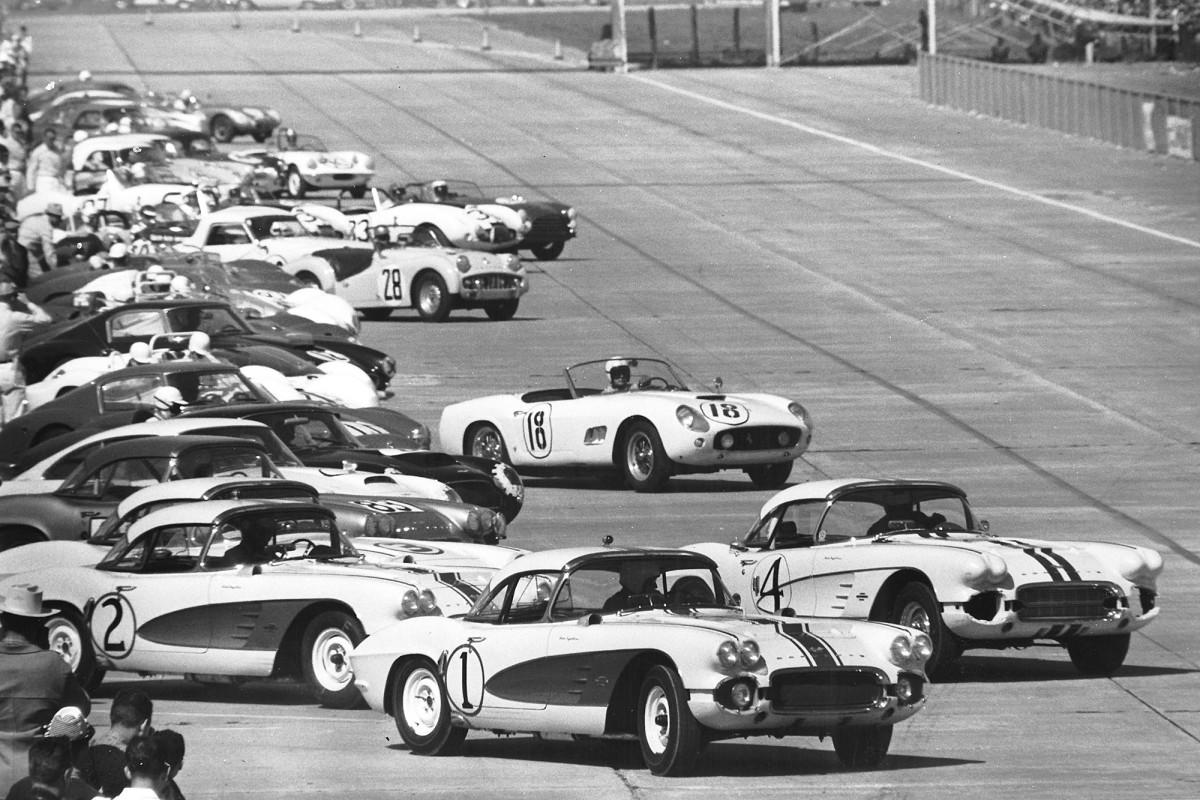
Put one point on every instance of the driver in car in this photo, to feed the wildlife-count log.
(618, 376)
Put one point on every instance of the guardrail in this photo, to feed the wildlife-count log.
(1031, 95)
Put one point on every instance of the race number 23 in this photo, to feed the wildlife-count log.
(391, 284)
(538, 437)
(725, 412)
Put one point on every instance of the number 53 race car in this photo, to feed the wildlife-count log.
(636, 415)
(914, 553)
(639, 644)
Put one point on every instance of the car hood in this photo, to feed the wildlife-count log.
(343, 481)
(44, 555)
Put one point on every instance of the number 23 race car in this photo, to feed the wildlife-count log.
(635, 415)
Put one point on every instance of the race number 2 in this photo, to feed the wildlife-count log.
(538, 437)
(112, 625)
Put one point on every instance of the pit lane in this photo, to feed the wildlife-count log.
(953, 298)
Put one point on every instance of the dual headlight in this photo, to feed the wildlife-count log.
(912, 651)
(419, 604)
(739, 655)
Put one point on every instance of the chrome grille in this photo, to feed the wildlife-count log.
(1043, 601)
(765, 437)
(848, 689)
(494, 281)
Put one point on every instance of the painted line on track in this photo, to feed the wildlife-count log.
(917, 162)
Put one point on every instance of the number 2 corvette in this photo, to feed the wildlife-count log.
(913, 552)
(639, 644)
(635, 415)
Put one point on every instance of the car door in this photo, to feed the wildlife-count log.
(151, 609)
(498, 673)
(94, 497)
(564, 432)
(781, 572)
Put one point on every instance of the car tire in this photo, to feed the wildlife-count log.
(501, 310)
(422, 711)
(430, 234)
(668, 734)
(1098, 655)
(770, 476)
(548, 251)
(862, 748)
(69, 638)
(644, 463)
(325, 654)
(222, 128)
(917, 607)
(485, 441)
(296, 187)
(431, 297)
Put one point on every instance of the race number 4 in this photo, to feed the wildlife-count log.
(391, 284)
(538, 436)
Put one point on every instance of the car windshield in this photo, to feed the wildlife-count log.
(213, 320)
(281, 455)
(609, 585)
(223, 461)
(276, 535)
(213, 388)
(153, 153)
(602, 376)
(442, 190)
(862, 514)
(281, 226)
(308, 431)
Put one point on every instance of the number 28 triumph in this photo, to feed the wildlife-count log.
(636, 416)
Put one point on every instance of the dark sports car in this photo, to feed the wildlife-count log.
(119, 397)
(381, 428)
(316, 435)
(552, 224)
(118, 327)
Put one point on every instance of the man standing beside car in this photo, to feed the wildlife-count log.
(17, 317)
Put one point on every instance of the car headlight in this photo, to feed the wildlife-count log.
(312, 164)
(984, 571)
(901, 650)
(462, 263)
(368, 162)
(801, 413)
(731, 655)
(416, 604)
(453, 496)
(571, 213)
(473, 524)
(691, 419)
(514, 262)
(922, 647)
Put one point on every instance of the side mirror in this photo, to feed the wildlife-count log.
(984, 525)
(718, 384)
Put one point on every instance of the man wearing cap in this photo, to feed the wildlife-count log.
(34, 682)
(44, 168)
(36, 235)
(17, 317)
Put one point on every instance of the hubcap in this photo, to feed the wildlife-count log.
(640, 455)
(915, 616)
(657, 720)
(330, 662)
(431, 298)
(487, 445)
(422, 702)
(64, 640)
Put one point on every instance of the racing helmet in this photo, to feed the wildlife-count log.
(440, 189)
(118, 251)
(140, 353)
(85, 75)
(181, 285)
(618, 371)
(199, 342)
(169, 398)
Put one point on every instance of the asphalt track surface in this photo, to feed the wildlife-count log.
(951, 297)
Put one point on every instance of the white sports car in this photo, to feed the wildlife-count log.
(261, 232)
(311, 166)
(433, 280)
(639, 644)
(233, 588)
(635, 415)
(913, 552)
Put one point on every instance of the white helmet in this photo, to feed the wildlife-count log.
(615, 362)
(169, 398)
(118, 250)
(199, 342)
(181, 285)
(85, 75)
(140, 353)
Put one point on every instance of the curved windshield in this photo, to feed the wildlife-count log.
(281, 226)
(624, 374)
(276, 449)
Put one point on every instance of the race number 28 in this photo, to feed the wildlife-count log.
(391, 284)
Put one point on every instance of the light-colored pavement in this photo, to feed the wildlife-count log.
(952, 297)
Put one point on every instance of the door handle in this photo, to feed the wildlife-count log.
(474, 639)
(519, 413)
(749, 562)
(126, 588)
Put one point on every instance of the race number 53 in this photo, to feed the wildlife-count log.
(538, 437)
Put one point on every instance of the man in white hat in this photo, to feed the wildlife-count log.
(36, 235)
(34, 682)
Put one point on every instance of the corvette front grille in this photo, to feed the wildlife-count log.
(827, 690)
(763, 437)
(1045, 601)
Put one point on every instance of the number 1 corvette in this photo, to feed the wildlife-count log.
(635, 415)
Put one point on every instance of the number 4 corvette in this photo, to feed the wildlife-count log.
(635, 415)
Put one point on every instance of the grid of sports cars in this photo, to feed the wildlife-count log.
(286, 523)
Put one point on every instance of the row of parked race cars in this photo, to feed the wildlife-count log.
(287, 526)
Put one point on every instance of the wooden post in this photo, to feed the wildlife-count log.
(737, 30)
(695, 36)
(652, 24)
(774, 46)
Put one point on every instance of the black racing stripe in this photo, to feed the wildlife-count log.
(452, 581)
(1068, 567)
(1046, 563)
(814, 646)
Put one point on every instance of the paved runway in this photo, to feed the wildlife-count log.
(952, 297)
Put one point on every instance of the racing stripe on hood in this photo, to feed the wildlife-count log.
(818, 652)
(452, 581)
(1054, 563)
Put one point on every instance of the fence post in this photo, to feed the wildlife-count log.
(652, 24)
(695, 36)
(737, 30)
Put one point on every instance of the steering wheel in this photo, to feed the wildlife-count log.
(310, 545)
(654, 599)
(211, 397)
(648, 382)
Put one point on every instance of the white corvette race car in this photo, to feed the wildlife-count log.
(913, 552)
(649, 428)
